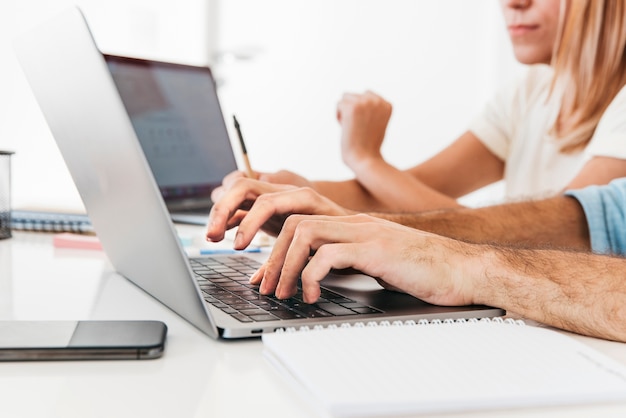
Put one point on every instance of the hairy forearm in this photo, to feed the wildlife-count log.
(579, 292)
(558, 222)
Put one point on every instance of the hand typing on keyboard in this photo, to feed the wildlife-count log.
(225, 284)
(402, 258)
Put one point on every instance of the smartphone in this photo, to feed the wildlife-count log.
(81, 340)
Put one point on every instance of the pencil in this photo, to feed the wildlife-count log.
(246, 161)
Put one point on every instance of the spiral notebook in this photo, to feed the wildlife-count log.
(442, 367)
(50, 221)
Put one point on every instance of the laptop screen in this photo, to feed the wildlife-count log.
(176, 115)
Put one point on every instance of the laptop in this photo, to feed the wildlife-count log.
(80, 101)
(176, 114)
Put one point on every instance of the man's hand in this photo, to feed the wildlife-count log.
(427, 266)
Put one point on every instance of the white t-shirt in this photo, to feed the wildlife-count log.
(515, 125)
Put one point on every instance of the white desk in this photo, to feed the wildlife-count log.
(196, 377)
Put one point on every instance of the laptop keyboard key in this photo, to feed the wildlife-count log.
(252, 312)
(264, 317)
(336, 309)
(287, 314)
(242, 318)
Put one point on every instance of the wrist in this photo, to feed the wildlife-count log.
(315, 185)
(478, 272)
(459, 267)
(364, 163)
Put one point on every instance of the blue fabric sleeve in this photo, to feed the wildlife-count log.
(605, 209)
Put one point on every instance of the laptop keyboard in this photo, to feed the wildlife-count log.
(224, 282)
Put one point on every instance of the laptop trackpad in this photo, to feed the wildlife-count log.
(365, 289)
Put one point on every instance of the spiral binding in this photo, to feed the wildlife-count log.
(410, 323)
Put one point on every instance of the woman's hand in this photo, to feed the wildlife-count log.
(279, 177)
(255, 205)
(363, 119)
(285, 177)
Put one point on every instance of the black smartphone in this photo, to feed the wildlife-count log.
(81, 340)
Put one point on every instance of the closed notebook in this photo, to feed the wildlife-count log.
(410, 368)
(50, 221)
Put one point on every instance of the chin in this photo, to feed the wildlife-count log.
(531, 57)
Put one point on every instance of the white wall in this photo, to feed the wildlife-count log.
(437, 61)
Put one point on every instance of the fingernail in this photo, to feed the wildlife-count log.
(210, 224)
(262, 286)
(238, 240)
(251, 280)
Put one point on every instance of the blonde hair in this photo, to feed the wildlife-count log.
(590, 67)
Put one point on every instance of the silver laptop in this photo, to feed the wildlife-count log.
(80, 101)
(177, 117)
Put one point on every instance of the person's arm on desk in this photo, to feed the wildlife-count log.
(464, 166)
(253, 205)
(579, 292)
(558, 222)
(575, 291)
